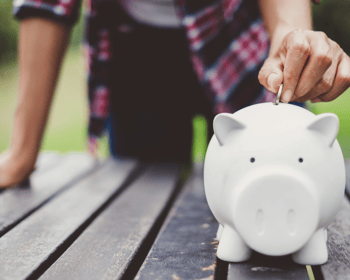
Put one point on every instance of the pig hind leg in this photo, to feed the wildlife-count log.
(232, 247)
(315, 250)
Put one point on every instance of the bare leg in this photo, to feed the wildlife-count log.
(42, 44)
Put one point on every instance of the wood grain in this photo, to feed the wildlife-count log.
(16, 204)
(338, 265)
(111, 243)
(185, 247)
(28, 248)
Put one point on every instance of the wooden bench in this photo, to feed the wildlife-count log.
(80, 219)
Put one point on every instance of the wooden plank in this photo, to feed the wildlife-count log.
(36, 242)
(185, 247)
(47, 160)
(16, 204)
(266, 267)
(338, 265)
(109, 247)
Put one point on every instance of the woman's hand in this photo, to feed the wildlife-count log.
(14, 170)
(310, 65)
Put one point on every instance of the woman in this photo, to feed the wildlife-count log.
(140, 49)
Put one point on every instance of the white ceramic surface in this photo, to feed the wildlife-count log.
(274, 178)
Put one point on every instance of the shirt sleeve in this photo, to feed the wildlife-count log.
(63, 11)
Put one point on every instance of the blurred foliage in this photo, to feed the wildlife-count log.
(332, 17)
(9, 32)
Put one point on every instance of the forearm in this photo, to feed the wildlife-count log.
(42, 44)
(283, 16)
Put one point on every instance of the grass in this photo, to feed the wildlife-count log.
(340, 107)
(66, 128)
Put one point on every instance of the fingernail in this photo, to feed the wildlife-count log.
(315, 100)
(287, 96)
(270, 80)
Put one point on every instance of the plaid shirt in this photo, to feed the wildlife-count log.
(227, 41)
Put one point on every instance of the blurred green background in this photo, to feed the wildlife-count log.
(66, 129)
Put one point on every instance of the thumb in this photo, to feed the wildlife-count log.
(270, 75)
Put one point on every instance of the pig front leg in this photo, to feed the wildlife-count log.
(219, 232)
(315, 250)
(232, 247)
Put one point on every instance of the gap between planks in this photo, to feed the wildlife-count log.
(117, 241)
(34, 244)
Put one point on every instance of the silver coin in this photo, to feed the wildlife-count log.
(278, 96)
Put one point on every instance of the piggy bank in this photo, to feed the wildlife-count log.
(274, 178)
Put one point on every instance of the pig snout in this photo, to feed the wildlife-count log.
(276, 210)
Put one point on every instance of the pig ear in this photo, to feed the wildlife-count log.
(224, 124)
(328, 125)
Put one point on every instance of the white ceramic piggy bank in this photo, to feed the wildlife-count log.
(274, 178)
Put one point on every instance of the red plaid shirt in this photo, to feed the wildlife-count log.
(227, 40)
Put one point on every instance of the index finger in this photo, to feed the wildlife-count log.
(298, 51)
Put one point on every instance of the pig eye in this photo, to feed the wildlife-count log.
(301, 160)
(252, 159)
